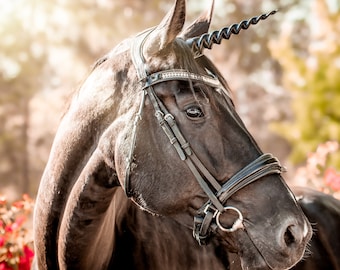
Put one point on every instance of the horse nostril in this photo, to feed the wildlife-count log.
(289, 236)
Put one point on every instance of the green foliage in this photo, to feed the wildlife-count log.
(311, 74)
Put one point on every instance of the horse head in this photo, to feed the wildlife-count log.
(156, 118)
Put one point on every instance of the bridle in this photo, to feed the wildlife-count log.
(208, 216)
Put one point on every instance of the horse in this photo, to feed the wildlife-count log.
(155, 120)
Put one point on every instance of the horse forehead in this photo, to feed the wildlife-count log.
(165, 89)
(174, 56)
(162, 61)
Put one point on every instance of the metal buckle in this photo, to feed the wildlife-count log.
(210, 208)
(170, 119)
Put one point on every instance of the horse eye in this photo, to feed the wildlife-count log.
(194, 112)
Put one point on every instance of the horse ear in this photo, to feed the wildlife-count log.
(166, 31)
(199, 26)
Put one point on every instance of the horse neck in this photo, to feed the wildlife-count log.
(144, 241)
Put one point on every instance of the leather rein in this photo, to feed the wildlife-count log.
(208, 216)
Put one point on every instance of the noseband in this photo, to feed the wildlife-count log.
(208, 216)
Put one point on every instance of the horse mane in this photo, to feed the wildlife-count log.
(99, 62)
(120, 47)
(142, 241)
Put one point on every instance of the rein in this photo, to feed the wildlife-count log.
(208, 216)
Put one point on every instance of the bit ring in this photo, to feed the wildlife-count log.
(238, 223)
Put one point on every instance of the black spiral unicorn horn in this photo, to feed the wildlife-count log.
(197, 44)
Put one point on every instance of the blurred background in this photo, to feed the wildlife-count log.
(284, 73)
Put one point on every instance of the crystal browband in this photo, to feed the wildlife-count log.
(181, 74)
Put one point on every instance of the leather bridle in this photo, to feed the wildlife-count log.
(207, 218)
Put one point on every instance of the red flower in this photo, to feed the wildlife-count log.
(19, 204)
(332, 179)
(4, 266)
(2, 242)
(9, 228)
(14, 237)
(26, 259)
(18, 223)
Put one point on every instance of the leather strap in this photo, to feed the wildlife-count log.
(137, 53)
(139, 63)
(264, 165)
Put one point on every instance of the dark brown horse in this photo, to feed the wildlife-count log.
(155, 119)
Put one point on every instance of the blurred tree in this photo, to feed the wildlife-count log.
(21, 62)
(310, 58)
